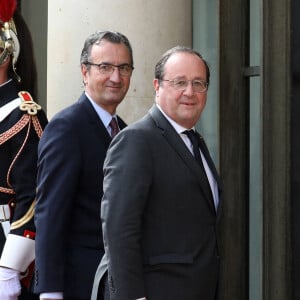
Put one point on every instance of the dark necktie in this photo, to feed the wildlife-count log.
(195, 140)
(196, 145)
(114, 127)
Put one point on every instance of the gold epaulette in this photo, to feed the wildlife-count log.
(27, 103)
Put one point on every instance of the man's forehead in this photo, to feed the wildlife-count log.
(107, 49)
(179, 61)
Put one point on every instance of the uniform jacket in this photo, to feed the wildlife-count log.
(19, 137)
(159, 221)
(69, 238)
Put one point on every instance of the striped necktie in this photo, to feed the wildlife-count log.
(114, 127)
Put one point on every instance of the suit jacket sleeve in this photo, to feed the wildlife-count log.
(59, 157)
(125, 196)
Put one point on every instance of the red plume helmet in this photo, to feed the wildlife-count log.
(7, 9)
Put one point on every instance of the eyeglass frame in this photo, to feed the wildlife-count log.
(187, 81)
(113, 69)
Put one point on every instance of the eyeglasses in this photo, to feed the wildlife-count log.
(199, 86)
(107, 69)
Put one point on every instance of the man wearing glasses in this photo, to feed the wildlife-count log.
(161, 204)
(69, 242)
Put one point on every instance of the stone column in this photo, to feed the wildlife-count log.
(151, 26)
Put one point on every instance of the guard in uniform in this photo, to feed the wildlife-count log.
(21, 125)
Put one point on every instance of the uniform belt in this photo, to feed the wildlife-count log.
(4, 213)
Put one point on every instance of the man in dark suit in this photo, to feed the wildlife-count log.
(70, 160)
(160, 208)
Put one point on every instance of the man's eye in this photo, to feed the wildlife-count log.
(180, 83)
(105, 67)
(198, 83)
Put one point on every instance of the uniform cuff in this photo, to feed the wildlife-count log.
(57, 295)
(18, 252)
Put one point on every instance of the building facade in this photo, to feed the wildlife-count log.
(250, 123)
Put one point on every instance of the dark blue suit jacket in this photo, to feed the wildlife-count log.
(69, 190)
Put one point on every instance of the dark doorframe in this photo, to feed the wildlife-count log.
(234, 138)
(295, 145)
(276, 97)
(275, 71)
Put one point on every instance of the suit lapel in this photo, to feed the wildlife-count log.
(178, 145)
(209, 160)
(94, 120)
(213, 169)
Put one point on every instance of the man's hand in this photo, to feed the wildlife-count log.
(10, 286)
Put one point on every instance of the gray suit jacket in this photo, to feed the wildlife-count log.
(158, 217)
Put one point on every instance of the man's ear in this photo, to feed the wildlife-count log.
(156, 84)
(84, 71)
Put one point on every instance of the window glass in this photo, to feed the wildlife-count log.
(255, 160)
(205, 37)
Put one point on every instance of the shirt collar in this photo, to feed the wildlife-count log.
(104, 115)
(178, 128)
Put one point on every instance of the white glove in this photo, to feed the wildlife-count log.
(10, 286)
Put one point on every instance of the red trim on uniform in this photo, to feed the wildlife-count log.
(26, 96)
(27, 279)
(29, 234)
(28, 276)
